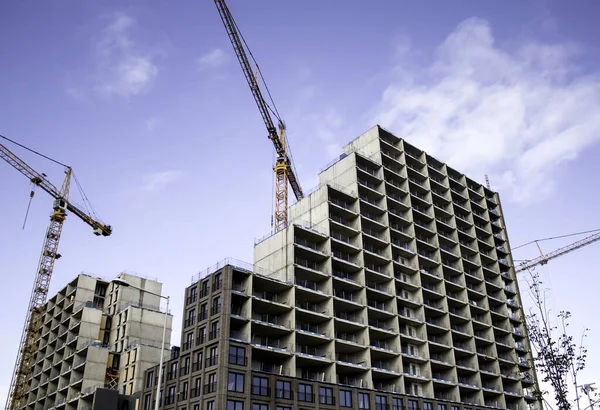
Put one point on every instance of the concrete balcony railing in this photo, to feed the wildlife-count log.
(349, 337)
(343, 275)
(352, 297)
(271, 368)
(311, 328)
(311, 351)
(350, 317)
(271, 297)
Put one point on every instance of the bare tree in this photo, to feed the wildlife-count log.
(557, 356)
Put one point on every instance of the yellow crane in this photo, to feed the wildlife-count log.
(543, 259)
(284, 167)
(21, 379)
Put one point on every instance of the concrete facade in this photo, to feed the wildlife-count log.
(90, 327)
(392, 288)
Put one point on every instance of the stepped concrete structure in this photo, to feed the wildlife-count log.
(393, 287)
(97, 340)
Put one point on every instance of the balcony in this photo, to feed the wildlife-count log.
(370, 203)
(443, 214)
(380, 270)
(271, 344)
(413, 353)
(350, 360)
(345, 277)
(380, 306)
(409, 315)
(370, 186)
(350, 338)
(309, 246)
(441, 378)
(430, 256)
(270, 368)
(406, 298)
(438, 323)
(380, 288)
(520, 346)
(367, 169)
(310, 286)
(382, 325)
(382, 345)
(398, 200)
(351, 317)
(512, 302)
(403, 248)
(344, 240)
(405, 281)
(343, 224)
(352, 297)
(410, 333)
(271, 320)
(312, 329)
(345, 258)
(312, 308)
(397, 214)
(376, 253)
(347, 206)
(377, 220)
(385, 367)
(269, 297)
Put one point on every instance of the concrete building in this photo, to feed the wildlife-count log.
(393, 287)
(96, 335)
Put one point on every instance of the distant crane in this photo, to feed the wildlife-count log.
(284, 168)
(543, 259)
(24, 364)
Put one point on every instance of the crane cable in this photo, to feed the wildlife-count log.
(31, 194)
(555, 237)
(35, 152)
(273, 110)
(87, 203)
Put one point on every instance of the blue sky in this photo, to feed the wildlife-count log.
(148, 105)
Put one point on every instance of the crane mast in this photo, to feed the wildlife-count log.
(543, 259)
(284, 170)
(17, 395)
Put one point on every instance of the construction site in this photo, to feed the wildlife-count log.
(390, 285)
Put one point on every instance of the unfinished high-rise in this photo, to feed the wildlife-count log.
(392, 288)
(96, 334)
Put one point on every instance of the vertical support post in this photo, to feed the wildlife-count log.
(162, 353)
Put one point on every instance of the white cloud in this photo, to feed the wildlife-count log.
(515, 115)
(159, 180)
(214, 58)
(121, 68)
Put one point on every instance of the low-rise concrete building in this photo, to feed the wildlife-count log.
(96, 334)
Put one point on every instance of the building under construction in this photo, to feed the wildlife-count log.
(95, 335)
(392, 287)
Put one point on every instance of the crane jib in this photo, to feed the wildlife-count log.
(236, 42)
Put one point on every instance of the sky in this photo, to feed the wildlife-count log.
(147, 103)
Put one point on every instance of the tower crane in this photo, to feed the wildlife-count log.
(284, 168)
(543, 259)
(21, 378)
